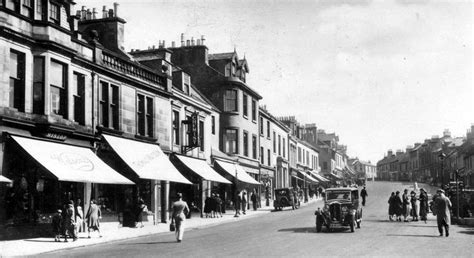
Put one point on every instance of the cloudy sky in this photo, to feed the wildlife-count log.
(381, 74)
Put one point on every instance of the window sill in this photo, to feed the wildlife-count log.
(146, 138)
(101, 129)
(231, 112)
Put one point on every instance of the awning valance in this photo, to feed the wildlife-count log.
(237, 172)
(4, 179)
(70, 163)
(147, 160)
(335, 176)
(317, 176)
(201, 168)
(299, 178)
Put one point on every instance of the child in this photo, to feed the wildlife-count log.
(56, 223)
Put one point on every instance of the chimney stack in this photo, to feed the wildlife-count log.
(192, 41)
(104, 11)
(89, 14)
(188, 42)
(94, 13)
(198, 42)
(83, 13)
(173, 44)
(202, 39)
(182, 39)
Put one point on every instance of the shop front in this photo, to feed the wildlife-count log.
(46, 174)
(149, 167)
(204, 178)
(268, 185)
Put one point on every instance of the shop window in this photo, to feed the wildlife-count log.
(54, 13)
(78, 92)
(109, 105)
(145, 115)
(176, 127)
(246, 144)
(38, 85)
(58, 88)
(230, 141)
(245, 105)
(230, 101)
(254, 146)
(17, 80)
(201, 135)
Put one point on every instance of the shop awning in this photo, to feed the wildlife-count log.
(201, 168)
(317, 176)
(4, 179)
(335, 176)
(310, 179)
(147, 160)
(71, 163)
(237, 172)
(299, 178)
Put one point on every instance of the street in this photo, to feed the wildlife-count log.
(292, 233)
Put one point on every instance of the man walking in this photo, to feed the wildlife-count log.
(442, 206)
(253, 197)
(363, 194)
(180, 210)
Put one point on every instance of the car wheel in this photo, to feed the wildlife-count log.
(319, 223)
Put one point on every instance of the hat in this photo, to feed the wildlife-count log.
(440, 191)
(59, 210)
(421, 189)
(179, 195)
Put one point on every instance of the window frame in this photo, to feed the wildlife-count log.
(57, 18)
(144, 118)
(62, 89)
(228, 101)
(17, 99)
(80, 97)
(245, 143)
(235, 141)
(254, 110)
(245, 105)
(175, 124)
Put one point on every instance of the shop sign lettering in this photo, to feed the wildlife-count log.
(74, 160)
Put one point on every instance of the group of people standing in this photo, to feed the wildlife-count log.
(69, 221)
(213, 206)
(406, 205)
(241, 203)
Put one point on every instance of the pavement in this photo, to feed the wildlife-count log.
(114, 232)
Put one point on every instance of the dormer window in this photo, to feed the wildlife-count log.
(233, 69)
(186, 83)
(54, 13)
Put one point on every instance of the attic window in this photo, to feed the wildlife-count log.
(186, 83)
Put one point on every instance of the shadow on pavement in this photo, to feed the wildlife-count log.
(299, 230)
(413, 235)
(153, 243)
(44, 240)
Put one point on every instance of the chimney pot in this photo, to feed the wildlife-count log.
(198, 42)
(202, 39)
(116, 9)
(182, 39)
(153, 47)
(192, 41)
(78, 14)
(164, 44)
(111, 13)
(94, 13)
(188, 42)
(89, 14)
(104, 12)
(173, 44)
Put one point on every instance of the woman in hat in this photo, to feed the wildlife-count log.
(414, 206)
(423, 205)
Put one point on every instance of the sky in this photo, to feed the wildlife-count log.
(380, 74)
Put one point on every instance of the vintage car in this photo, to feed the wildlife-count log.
(286, 197)
(341, 209)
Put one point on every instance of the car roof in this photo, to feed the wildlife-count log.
(341, 189)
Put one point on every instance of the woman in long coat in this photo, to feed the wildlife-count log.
(398, 204)
(423, 205)
(414, 206)
(406, 205)
(92, 217)
(391, 206)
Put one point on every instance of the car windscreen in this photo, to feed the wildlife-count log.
(345, 195)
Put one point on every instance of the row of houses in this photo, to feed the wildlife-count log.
(437, 160)
(81, 118)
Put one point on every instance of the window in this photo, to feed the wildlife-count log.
(145, 115)
(230, 141)
(279, 145)
(245, 105)
(54, 13)
(17, 80)
(58, 79)
(13, 5)
(187, 129)
(262, 158)
(261, 126)
(39, 9)
(201, 135)
(274, 142)
(28, 8)
(284, 148)
(38, 85)
(78, 92)
(246, 144)
(325, 165)
(213, 124)
(254, 110)
(268, 129)
(254, 146)
(175, 127)
(299, 154)
(108, 105)
(230, 101)
(269, 157)
(187, 82)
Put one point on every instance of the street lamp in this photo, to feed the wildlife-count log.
(441, 157)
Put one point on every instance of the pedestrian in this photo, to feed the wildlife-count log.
(406, 205)
(320, 191)
(237, 203)
(213, 204)
(138, 212)
(253, 197)
(93, 219)
(79, 217)
(218, 205)
(207, 206)
(442, 205)
(69, 222)
(398, 205)
(391, 206)
(424, 208)
(244, 202)
(363, 194)
(180, 210)
(414, 206)
(56, 223)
